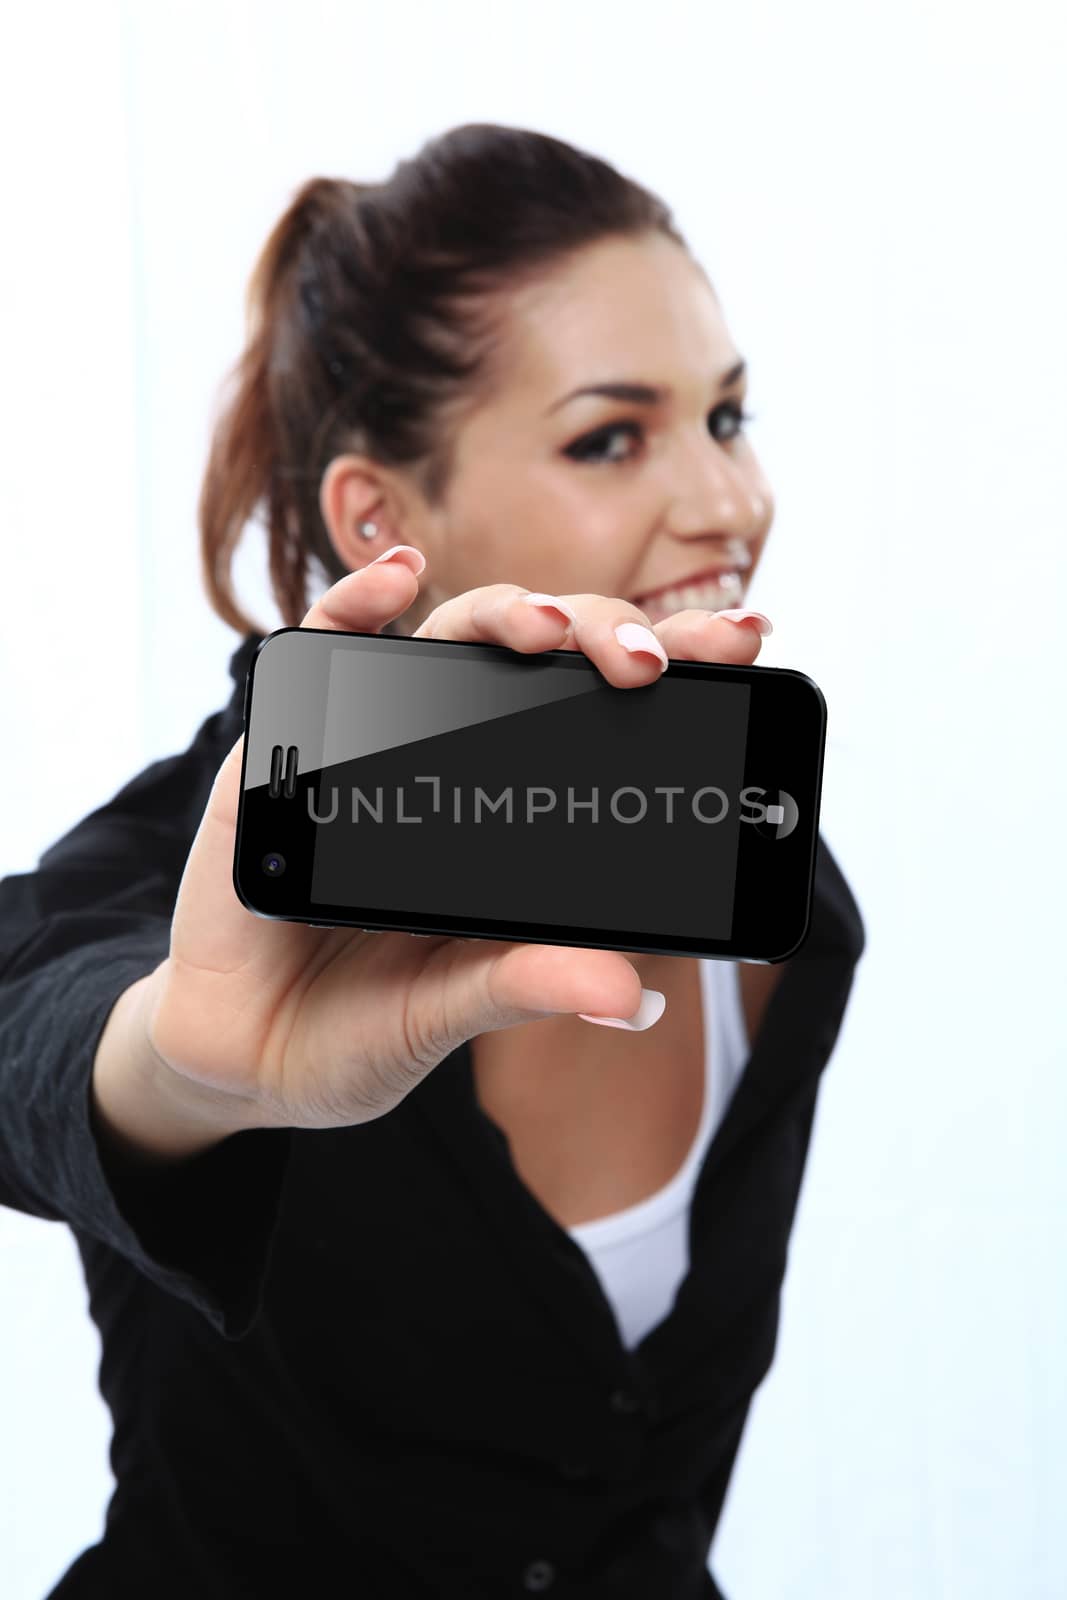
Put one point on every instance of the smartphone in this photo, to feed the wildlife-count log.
(453, 787)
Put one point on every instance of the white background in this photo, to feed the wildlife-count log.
(877, 192)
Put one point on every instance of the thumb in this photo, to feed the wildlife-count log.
(491, 985)
(211, 926)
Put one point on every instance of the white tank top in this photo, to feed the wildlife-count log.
(641, 1254)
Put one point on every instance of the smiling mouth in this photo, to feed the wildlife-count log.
(715, 591)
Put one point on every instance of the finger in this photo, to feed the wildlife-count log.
(211, 927)
(500, 613)
(617, 638)
(711, 636)
(365, 600)
(488, 989)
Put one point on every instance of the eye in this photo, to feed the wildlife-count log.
(592, 446)
(731, 409)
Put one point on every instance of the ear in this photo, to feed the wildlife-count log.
(357, 494)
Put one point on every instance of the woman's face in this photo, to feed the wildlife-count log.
(609, 494)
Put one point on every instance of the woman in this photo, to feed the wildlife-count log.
(493, 1328)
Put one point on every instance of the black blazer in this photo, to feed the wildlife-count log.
(367, 1361)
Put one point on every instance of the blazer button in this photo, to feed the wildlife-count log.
(624, 1402)
(539, 1576)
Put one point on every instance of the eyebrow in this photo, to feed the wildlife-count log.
(641, 394)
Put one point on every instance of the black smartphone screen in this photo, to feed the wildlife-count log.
(462, 787)
(520, 789)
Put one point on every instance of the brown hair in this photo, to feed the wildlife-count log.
(372, 316)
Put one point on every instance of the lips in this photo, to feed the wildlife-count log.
(718, 594)
(694, 580)
(737, 558)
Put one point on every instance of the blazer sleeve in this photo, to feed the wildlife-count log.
(92, 918)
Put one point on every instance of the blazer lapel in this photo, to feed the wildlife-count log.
(528, 1242)
(804, 1013)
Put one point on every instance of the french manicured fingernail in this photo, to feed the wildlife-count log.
(763, 623)
(417, 565)
(549, 601)
(635, 636)
(653, 1004)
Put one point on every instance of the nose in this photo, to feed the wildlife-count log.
(711, 493)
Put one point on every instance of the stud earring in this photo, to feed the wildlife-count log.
(369, 530)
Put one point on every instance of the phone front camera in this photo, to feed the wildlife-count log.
(273, 864)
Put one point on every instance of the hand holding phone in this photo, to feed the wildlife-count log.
(316, 1027)
(449, 785)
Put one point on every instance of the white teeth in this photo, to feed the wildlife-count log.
(713, 595)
